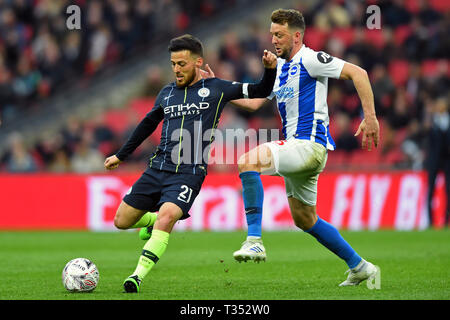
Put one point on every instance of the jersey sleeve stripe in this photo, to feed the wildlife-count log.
(245, 90)
(179, 147)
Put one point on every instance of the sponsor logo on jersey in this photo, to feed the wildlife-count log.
(324, 57)
(285, 92)
(185, 109)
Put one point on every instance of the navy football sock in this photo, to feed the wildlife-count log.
(253, 194)
(330, 237)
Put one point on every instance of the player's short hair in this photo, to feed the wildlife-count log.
(186, 42)
(293, 18)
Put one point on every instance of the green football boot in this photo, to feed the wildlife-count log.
(131, 284)
(145, 233)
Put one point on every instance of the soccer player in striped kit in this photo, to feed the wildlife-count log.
(301, 93)
(190, 109)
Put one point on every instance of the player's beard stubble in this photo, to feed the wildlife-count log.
(286, 53)
(188, 78)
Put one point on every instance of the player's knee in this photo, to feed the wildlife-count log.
(244, 164)
(167, 218)
(120, 222)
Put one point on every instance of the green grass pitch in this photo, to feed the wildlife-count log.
(199, 265)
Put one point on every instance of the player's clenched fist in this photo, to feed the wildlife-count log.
(269, 60)
(112, 162)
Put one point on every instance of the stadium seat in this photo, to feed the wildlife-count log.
(401, 33)
(117, 120)
(351, 102)
(142, 106)
(106, 148)
(315, 38)
(393, 157)
(412, 6)
(346, 35)
(430, 67)
(375, 37)
(337, 158)
(355, 124)
(399, 71)
(440, 5)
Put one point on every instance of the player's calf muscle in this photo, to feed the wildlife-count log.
(304, 216)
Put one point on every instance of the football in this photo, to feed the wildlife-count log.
(80, 275)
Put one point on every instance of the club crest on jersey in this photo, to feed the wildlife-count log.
(324, 57)
(203, 92)
(294, 69)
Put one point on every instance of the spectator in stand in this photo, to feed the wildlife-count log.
(345, 137)
(60, 162)
(38, 53)
(72, 134)
(399, 115)
(155, 81)
(394, 13)
(383, 89)
(19, 159)
(111, 31)
(86, 158)
(438, 125)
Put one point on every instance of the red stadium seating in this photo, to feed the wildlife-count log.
(430, 67)
(401, 33)
(346, 35)
(399, 71)
(117, 120)
(440, 5)
(315, 38)
(375, 37)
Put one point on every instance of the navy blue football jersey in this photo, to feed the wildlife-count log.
(190, 115)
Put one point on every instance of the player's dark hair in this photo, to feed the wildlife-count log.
(293, 18)
(186, 42)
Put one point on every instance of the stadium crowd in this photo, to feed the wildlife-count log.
(407, 62)
(39, 54)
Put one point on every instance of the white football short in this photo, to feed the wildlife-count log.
(299, 162)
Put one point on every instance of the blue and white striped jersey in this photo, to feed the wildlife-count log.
(301, 90)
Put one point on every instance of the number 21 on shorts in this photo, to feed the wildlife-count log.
(185, 194)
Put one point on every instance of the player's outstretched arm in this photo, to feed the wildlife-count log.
(369, 126)
(246, 104)
(144, 129)
(249, 104)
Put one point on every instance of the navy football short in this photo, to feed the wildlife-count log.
(155, 187)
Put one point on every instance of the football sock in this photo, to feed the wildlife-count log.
(330, 237)
(147, 220)
(152, 251)
(253, 194)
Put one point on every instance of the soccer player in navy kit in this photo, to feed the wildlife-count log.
(189, 106)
